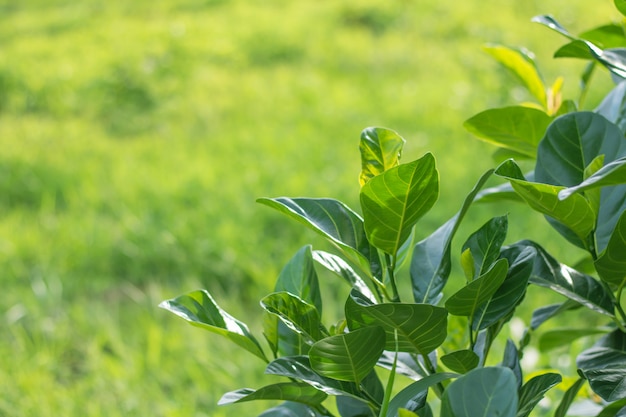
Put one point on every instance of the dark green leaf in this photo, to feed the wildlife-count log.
(522, 65)
(420, 328)
(601, 357)
(543, 314)
(407, 363)
(612, 173)
(608, 383)
(431, 262)
(466, 301)
(485, 244)
(342, 269)
(481, 392)
(512, 290)
(614, 340)
(200, 310)
(350, 356)
(395, 200)
(461, 361)
(349, 407)
(380, 150)
(568, 398)
(611, 265)
(300, 316)
(575, 213)
(533, 391)
(613, 107)
(561, 337)
(510, 360)
(270, 331)
(515, 128)
(583, 289)
(298, 277)
(616, 409)
(331, 219)
(413, 397)
(299, 368)
(287, 391)
(574, 49)
(290, 409)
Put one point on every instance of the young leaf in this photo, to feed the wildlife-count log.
(481, 392)
(522, 65)
(485, 244)
(350, 356)
(300, 316)
(431, 264)
(421, 328)
(342, 269)
(576, 213)
(199, 309)
(515, 128)
(611, 265)
(534, 390)
(466, 301)
(299, 368)
(413, 397)
(395, 200)
(380, 150)
(287, 391)
(581, 288)
(299, 278)
(568, 398)
(461, 361)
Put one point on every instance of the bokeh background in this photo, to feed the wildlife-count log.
(135, 137)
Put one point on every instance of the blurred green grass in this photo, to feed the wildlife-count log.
(135, 137)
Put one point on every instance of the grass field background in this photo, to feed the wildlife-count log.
(136, 136)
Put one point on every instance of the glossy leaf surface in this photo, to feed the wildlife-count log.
(420, 328)
(290, 409)
(350, 356)
(298, 277)
(413, 396)
(481, 392)
(485, 244)
(605, 369)
(431, 263)
(297, 314)
(611, 265)
(341, 268)
(199, 309)
(461, 361)
(381, 150)
(534, 390)
(613, 173)
(395, 200)
(287, 391)
(516, 128)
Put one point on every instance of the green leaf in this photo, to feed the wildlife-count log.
(298, 277)
(605, 369)
(290, 409)
(515, 128)
(403, 412)
(341, 268)
(461, 361)
(522, 65)
(299, 368)
(574, 49)
(330, 218)
(288, 391)
(199, 309)
(413, 397)
(553, 339)
(485, 244)
(350, 356)
(512, 290)
(568, 398)
(616, 409)
(534, 390)
(606, 36)
(406, 363)
(421, 328)
(395, 200)
(621, 6)
(576, 213)
(381, 150)
(350, 407)
(300, 316)
(431, 263)
(543, 314)
(613, 106)
(611, 264)
(549, 273)
(270, 331)
(466, 301)
(481, 392)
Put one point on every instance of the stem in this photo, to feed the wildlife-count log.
(389, 389)
(391, 266)
(429, 369)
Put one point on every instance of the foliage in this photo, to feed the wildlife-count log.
(577, 183)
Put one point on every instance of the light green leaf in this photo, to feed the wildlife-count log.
(466, 301)
(575, 213)
(485, 244)
(481, 392)
(350, 356)
(381, 150)
(298, 277)
(534, 390)
(431, 263)
(413, 396)
(300, 316)
(287, 391)
(522, 65)
(403, 412)
(341, 268)
(516, 128)
(553, 339)
(621, 6)
(606, 36)
(613, 106)
(395, 200)
(291, 409)
(420, 328)
(199, 309)
(461, 361)
(611, 265)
